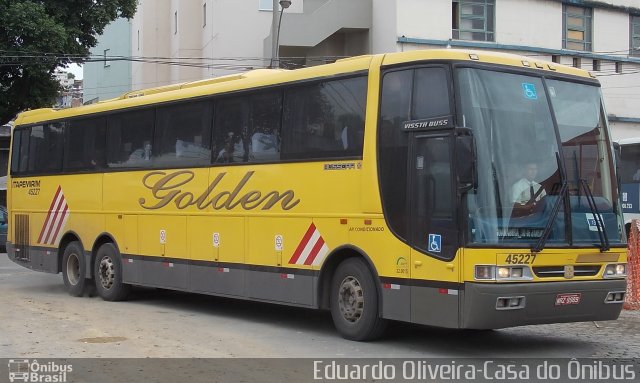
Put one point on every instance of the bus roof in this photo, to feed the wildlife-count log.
(266, 77)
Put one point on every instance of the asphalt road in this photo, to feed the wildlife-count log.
(39, 320)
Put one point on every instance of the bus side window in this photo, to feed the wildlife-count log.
(183, 135)
(130, 139)
(264, 133)
(325, 120)
(231, 130)
(85, 144)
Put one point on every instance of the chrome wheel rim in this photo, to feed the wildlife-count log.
(351, 299)
(107, 272)
(73, 269)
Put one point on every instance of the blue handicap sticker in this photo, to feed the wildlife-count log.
(435, 243)
(529, 91)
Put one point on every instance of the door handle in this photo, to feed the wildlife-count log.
(417, 263)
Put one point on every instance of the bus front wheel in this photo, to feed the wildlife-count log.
(354, 302)
(73, 269)
(108, 274)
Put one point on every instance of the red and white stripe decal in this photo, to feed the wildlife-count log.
(391, 286)
(448, 291)
(311, 250)
(57, 217)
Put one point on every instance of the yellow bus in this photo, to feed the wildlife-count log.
(449, 188)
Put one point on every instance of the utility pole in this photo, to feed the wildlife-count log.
(274, 32)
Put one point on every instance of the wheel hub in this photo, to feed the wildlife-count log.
(73, 269)
(351, 299)
(107, 272)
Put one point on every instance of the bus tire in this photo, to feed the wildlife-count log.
(73, 269)
(354, 302)
(108, 274)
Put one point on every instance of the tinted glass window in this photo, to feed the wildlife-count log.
(45, 148)
(183, 135)
(231, 133)
(15, 151)
(85, 144)
(393, 147)
(129, 139)
(325, 120)
(266, 117)
(24, 150)
(431, 93)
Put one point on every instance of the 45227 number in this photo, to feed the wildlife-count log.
(520, 259)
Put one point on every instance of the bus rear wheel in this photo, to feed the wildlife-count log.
(354, 302)
(108, 274)
(73, 269)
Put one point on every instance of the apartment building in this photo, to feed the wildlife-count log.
(107, 74)
(175, 41)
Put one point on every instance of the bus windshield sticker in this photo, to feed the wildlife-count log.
(529, 91)
(430, 123)
(435, 243)
(591, 220)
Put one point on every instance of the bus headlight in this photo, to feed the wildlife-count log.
(615, 270)
(503, 273)
(485, 272)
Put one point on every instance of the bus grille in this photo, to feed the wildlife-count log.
(22, 236)
(558, 271)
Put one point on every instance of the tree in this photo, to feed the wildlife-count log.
(37, 36)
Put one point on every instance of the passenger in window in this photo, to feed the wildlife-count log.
(265, 145)
(143, 153)
(226, 154)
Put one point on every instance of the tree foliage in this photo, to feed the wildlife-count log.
(36, 37)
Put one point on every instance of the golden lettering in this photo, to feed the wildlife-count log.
(164, 184)
(166, 188)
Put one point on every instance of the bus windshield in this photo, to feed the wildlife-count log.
(524, 159)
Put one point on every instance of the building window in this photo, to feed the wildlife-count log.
(473, 20)
(634, 35)
(576, 32)
(265, 5)
(618, 67)
(204, 14)
(175, 23)
(555, 59)
(105, 57)
(576, 62)
(596, 65)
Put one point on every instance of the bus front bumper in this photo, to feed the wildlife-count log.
(493, 305)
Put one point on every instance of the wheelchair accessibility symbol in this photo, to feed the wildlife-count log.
(529, 91)
(435, 243)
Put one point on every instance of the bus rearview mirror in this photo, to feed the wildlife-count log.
(465, 162)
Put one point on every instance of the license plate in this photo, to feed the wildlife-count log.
(567, 299)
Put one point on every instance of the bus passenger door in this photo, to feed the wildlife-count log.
(434, 234)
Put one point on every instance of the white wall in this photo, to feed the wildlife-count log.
(611, 31)
(424, 19)
(384, 32)
(529, 22)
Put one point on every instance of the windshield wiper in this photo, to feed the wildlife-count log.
(562, 196)
(602, 233)
(554, 212)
